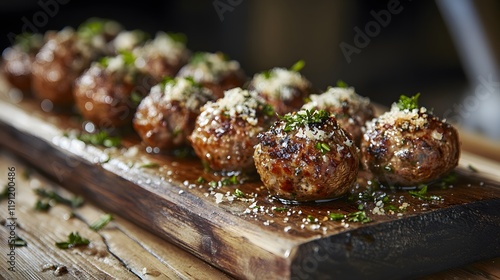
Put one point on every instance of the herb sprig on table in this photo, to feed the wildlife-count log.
(48, 196)
(101, 138)
(74, 240)
(101, 222)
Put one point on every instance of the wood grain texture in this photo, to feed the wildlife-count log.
(248, 237)
(118, 251)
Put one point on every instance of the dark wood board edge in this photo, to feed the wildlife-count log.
(406, 249)
(208, 238)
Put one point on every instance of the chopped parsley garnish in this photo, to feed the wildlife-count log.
(336, 216)
(128, 57)
(91, 28)
(298, 66)
(268, 110)
(342, 84)
(472, 168)
(74, 239)
(226, 181)
(149, 165)
(239, 194)
(312, 219)
(201, 180)
(101, 138)
(42, 205)
(390, 207)
(74, 202)
(304, 117)
(422, 194)
(101, 222)
(359, 216)
(167, 80)
(198, 57)
(450, 178)
(178, 37)
(136, 98)
(233, 180)
(104, 61)
(19, 242)
(5, 193)
(322, 147)
(280, 209)
(408, 103)
(267, 74)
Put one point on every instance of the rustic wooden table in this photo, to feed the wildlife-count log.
(119, 250)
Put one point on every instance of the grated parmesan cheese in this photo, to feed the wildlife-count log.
(164, 46)
(185, 91)
(238, 102)
(210, 68)
(337, 97)
(407, 119)
(278, 81)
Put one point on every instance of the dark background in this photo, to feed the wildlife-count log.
(413, 53)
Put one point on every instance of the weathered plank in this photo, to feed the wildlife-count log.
(118, 251)
(249, 237)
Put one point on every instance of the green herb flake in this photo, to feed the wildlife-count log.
(201, 180)
(42, 205)
(149, 165)
(342, 84)
(422, 194)
(104, 61)
(101, 222)
(74, 240)
(268, 110)
(472, 168)
(239, 194)
(390, 207)
(408, 103)
(178, 37)
(267, 74)
(5, 192)
(136, 98)
(212, 184)
(298, 66)
(336, 216)
(280, 209)
(304, 117)
(322, 147)
(358, 217)
(19, 242)
(128, 57)
(101, 138)
(233, 180)
(312, 219)
(198, 58)
(450, 178)
(167, 81)
(74, 202)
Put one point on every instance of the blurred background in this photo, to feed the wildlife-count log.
(382, 48)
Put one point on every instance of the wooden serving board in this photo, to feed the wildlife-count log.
(253, 235)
